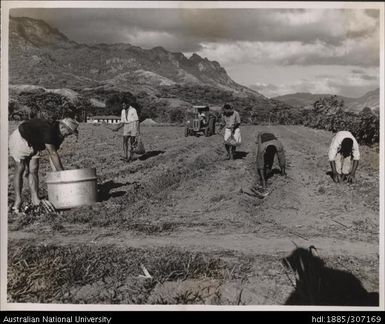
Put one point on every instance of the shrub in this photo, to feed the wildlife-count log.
(327, 113)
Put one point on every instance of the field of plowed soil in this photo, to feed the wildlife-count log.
(188, 217)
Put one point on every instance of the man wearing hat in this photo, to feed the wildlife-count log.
(25, 144)
(130, 123)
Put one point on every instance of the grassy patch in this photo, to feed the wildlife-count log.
(89, 274)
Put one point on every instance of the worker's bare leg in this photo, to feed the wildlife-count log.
(18, 182)
(262, 177)
(125, 146)
(232, 152)
(33, 178)
(228, 151)
(132, 140)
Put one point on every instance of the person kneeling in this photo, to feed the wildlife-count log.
(268, 147)
(344, 156)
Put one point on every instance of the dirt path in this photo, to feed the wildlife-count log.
(195, 240)
(195, 199)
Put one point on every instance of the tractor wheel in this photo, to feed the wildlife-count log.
(186, 132)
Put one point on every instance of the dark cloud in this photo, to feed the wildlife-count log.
(209, 25)
(356, 57)
(320, 36)
(351, 52)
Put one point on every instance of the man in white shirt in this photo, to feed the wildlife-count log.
(130, 122)
(232, 135)
(344, 155)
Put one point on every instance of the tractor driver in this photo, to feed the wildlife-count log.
(202, 117)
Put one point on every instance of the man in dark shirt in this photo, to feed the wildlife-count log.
(25, 144)
(268, 147)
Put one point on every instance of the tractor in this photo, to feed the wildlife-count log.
(200, 120)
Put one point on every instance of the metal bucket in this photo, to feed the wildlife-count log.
(72, 188)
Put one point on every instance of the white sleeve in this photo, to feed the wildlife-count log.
(238, 118)
(356, 150)
(123, 117)
(333, 149)
(135, 115)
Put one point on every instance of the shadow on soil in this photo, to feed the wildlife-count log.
(316, 284)
(105, 188)
(330, 174)
(149, 154)
(240, 155)
(272, 173)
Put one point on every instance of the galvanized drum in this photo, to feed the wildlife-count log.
(72, 188)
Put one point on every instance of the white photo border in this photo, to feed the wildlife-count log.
(8, 5)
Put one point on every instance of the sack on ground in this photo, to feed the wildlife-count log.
(138, 147)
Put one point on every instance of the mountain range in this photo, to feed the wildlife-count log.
(42, 55)
(303, 99)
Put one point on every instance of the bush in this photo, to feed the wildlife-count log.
(328, 114)
(114, 102)
(45, 105)
(176, 116)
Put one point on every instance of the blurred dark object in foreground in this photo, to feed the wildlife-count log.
(316, 284)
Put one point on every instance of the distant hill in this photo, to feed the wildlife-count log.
(300, 99)
(370, 99)
(303, 99)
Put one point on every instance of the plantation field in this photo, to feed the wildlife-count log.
(188, 216)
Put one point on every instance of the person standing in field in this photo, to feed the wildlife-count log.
(232, 135)
(25, 144)
(130, 122)
(344, 155)
(268, 147)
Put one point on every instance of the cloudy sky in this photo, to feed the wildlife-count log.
(275, 51)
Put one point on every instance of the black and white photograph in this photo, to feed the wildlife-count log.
(191, 155)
